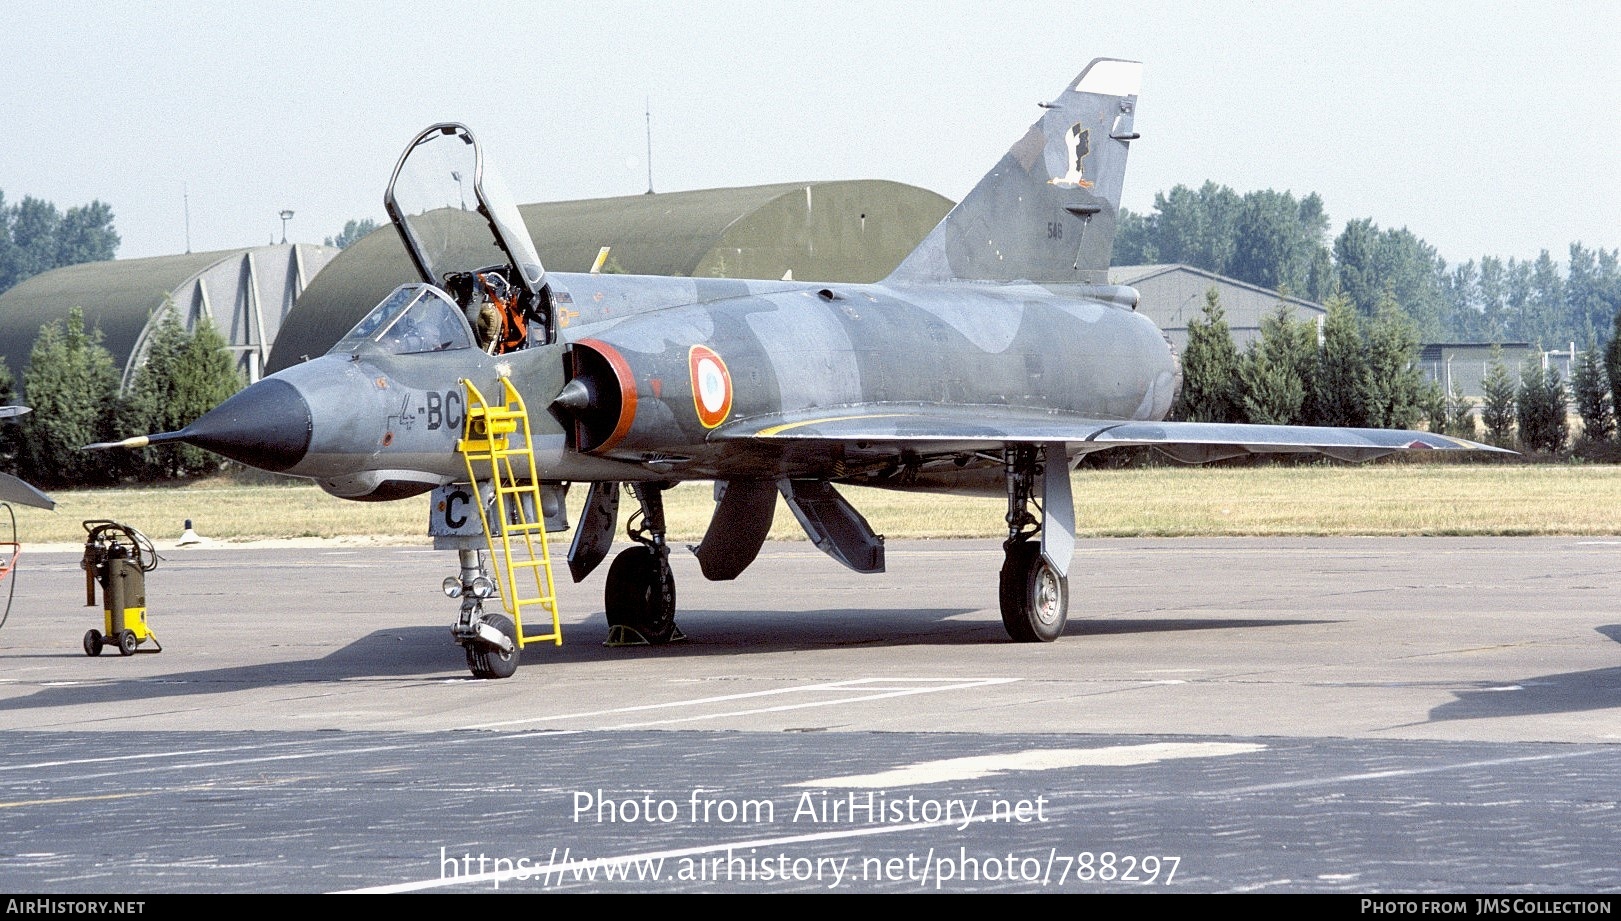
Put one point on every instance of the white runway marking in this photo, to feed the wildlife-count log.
(36, 766)
(1404, 772)
(1041, 759)
(336, 752)
(845, 692)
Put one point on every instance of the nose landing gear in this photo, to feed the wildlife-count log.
(489, 640)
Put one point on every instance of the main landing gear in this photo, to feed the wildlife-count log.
(640, 595)
(1034, 594)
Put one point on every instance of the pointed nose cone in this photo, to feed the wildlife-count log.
(266, 426)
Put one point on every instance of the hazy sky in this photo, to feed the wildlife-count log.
(1484, 128)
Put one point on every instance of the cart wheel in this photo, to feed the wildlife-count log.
(127, 643)
(92, 643)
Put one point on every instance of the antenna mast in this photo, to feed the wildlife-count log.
(648, 106)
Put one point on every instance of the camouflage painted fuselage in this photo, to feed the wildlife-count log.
(772, 351)
(784, 351)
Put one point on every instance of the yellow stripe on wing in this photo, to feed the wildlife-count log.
(779, 429)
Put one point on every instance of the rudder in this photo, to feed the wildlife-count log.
(1047, 211)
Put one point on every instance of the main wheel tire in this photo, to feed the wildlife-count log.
(632, 597)
(486, 661)
(1035, 598)
(92, 643)
(127, 643)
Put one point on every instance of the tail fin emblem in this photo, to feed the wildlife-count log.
(1079, 142)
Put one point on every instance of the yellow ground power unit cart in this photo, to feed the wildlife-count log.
(117, 558)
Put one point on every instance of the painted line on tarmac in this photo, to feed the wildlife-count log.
(1036, 759)
(336, 752)
(859, 689)
(109, 759)
(1407, 772)
(58, 800)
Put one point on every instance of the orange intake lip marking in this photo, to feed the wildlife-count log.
(627, 390)
(711, 386)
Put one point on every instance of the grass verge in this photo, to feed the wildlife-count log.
(1376, 499)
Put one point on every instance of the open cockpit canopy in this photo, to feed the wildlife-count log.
(455, 217)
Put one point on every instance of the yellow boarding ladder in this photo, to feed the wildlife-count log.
(489, 439)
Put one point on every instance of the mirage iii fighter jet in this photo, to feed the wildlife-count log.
(989, 361)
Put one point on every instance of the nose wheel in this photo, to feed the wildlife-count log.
(490, 660)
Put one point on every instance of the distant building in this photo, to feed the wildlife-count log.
(1463, 365)
(1174, 295)
(246, 292)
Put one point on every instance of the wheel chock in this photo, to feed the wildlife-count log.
(622, 635)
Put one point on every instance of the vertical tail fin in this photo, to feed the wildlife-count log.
(1046, 212)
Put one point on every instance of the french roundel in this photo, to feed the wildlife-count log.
(711, 386)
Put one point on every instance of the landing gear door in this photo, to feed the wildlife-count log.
(454, 215)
